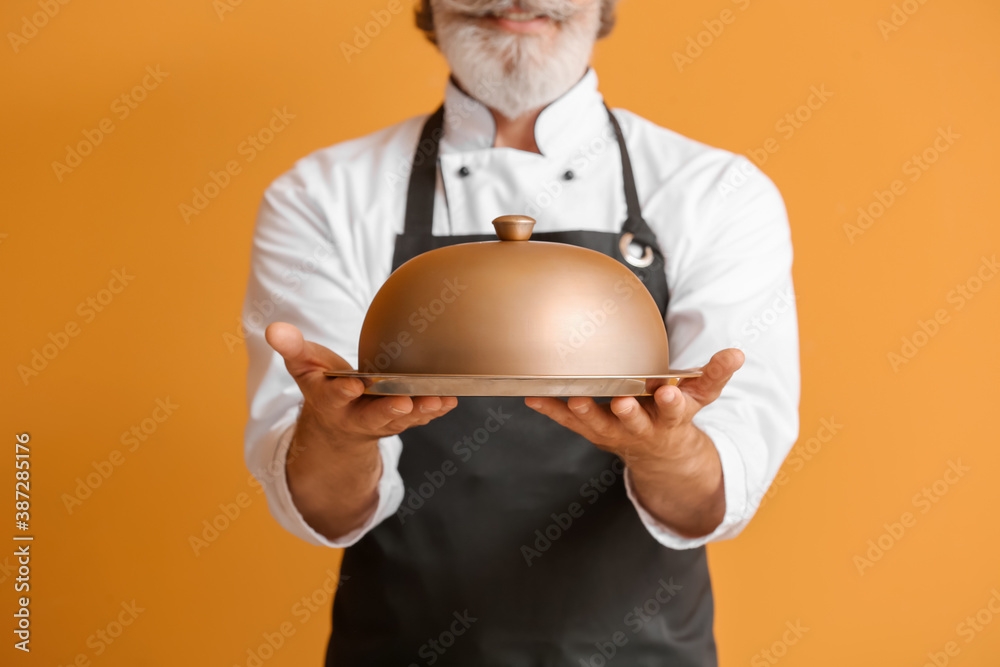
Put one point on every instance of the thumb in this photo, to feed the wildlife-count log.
(301, 356)
(715, 374)
(286, 339)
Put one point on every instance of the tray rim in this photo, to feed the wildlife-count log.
(508, 385)
(674, 374)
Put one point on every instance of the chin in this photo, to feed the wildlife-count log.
(514, 73)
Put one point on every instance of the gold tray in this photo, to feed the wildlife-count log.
(387, 384)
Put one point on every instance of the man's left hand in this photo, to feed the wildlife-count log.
(675, 468)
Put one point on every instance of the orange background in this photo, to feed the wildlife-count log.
(164, 335)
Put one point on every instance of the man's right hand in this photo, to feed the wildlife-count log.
(334, 473)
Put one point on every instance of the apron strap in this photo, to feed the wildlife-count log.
(423, 177)
(634, 222)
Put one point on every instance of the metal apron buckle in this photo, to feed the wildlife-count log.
(628, 246)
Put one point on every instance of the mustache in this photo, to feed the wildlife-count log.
(557, 10)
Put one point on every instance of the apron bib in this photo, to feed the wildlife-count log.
(516, 545)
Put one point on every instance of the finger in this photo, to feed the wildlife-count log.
(632, 415)
(595, 417)
(557, 410)
(339, 392)
(447, 405)
(394, 414)
(301, 356)
(715, 375)
(672, 406)
(374, 416)
(426, 404)
(423, 412)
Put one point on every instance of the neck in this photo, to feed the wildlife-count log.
(516, 133)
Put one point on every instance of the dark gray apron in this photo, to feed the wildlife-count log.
(516, 545)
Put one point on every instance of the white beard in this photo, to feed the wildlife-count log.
(516, 73)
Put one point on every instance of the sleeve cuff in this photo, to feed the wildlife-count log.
(738, 512)
(390, 495)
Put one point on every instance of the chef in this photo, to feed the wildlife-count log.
(538, 531)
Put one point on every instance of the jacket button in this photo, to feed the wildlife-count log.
(569, 175)
(464, 171)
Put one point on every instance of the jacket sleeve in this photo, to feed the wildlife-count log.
(733, 288)
(302, 271)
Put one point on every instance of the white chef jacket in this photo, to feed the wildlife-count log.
(325, 233)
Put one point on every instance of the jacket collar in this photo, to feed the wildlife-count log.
(562, 126)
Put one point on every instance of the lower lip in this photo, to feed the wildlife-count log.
(533, 26)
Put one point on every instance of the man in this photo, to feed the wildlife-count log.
(492, 531)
